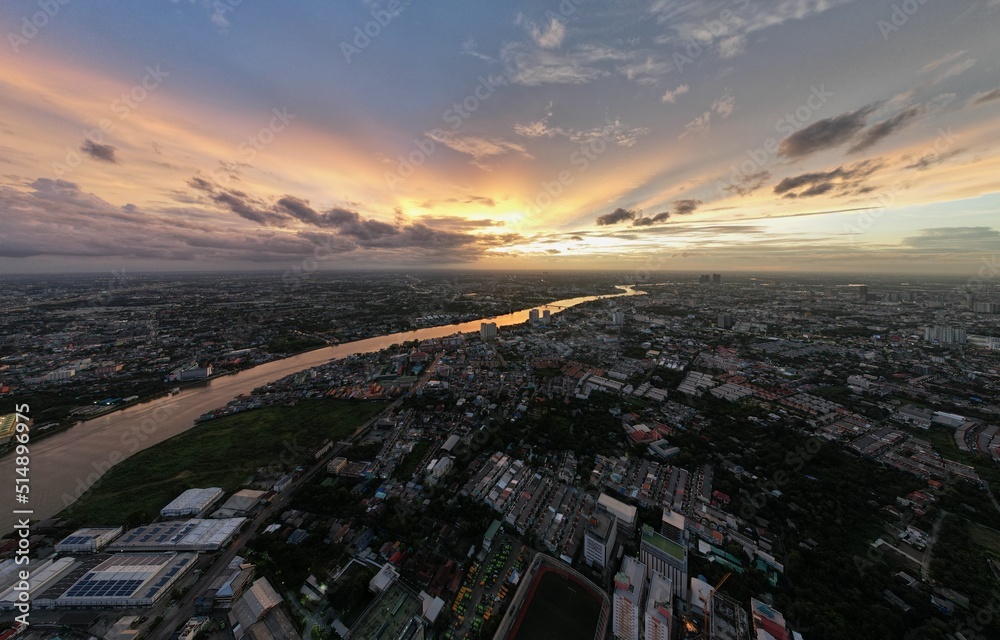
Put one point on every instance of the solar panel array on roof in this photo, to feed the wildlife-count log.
(88, 587)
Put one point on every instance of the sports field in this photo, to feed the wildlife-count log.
(558, 607)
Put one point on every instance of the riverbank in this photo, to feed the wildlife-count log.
(65, 465)
(224, 454)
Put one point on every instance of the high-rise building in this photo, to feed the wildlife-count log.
(716, 278)
(727, 620)
(667, 557)
(488, 331)
(659, 616)
(673, 525)
(618, 318)
(599, 539)
(546, 316)
(533, 316)
(862, 292)
(945, 335)
(625, 515)
(630, 583)
(726, 321)
(705, 279)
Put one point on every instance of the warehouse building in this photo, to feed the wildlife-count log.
(119, 581)
(192, 503)
(240, 504)
(89, 540)
(189, 535)
(43, 575)
(258, 615)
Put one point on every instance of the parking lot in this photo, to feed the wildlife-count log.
(487, 588)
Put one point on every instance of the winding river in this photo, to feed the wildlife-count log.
(64, 465)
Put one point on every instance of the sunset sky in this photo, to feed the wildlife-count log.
(818, 135)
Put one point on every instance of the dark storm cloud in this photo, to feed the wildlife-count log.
(102, 152)
(246, 207)
(817, 183)
(56, 218)
(826, 134)
(685, 207)
(201, 184)
(617, 216)
(301, 210)
(876, 133)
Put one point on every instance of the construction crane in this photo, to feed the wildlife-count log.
(707, 601)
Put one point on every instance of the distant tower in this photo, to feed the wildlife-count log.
(716, 278)
(862, 293)
(705, 279)
(618, 318)
(546, 316)
(488, 331)
(725, 321)
(533, 316)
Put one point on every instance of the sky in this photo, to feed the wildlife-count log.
(730, 135)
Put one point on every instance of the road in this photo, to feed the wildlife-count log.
(925, 566)
(184, 609)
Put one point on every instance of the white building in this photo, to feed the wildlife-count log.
(630, 583)
(193, 502)
(599, 539)
(659, 607)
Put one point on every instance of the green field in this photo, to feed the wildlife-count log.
(560, 608)
(220, 453)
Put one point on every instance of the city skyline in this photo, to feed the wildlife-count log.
(808, 135)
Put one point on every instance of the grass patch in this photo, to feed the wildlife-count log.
(987, 538)
(409, 464)
(220, 453)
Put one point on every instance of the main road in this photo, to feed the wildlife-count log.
(65, 465)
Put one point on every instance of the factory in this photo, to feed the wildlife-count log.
(193, 503)
(89, 540)
(188, 535)
(105, 581)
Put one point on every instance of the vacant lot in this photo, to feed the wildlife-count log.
(220, 453)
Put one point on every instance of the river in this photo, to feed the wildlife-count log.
(64, 465)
